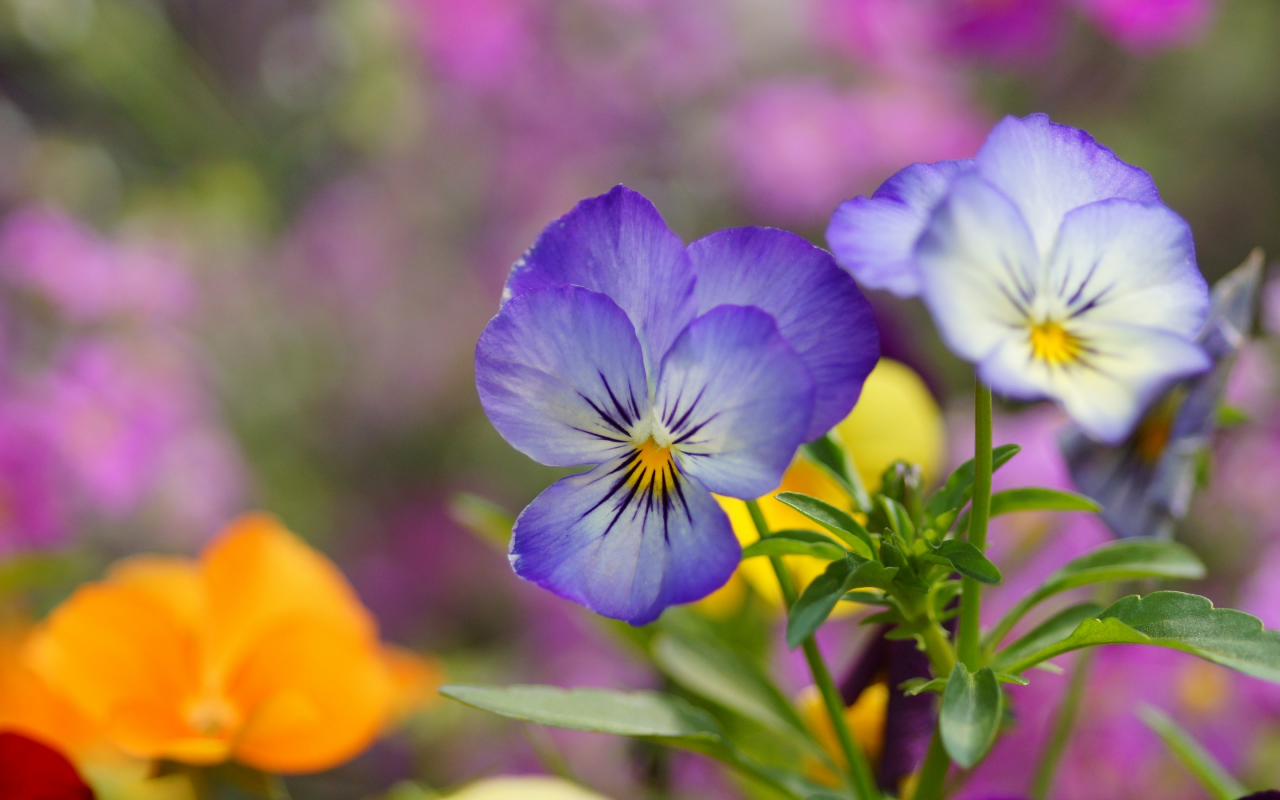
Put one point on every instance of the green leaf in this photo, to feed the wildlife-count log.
(899, 518)
(866, 598)
(968, 560)
(815, 604)
(1124, 560)
(35, 570)
(482, 517)
(1034, 498)
(1051, 631)
(916, 686)
(959, 486)
(1199, 762)
(782, 546)
(827, 452)
(1230, 416)
(971, 713)
(893, 557)
(1180, 621)
(841, 523)
(725, 676)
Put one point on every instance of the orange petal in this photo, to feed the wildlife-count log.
(315, 696)
(29, 707)
(121, 659)
(175, 583)
(259, 575)
(414, 680)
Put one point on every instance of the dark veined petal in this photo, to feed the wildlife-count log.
(626, 539)
(616, 244)
(1048, 169)
(874, 238)
(817, 307)
(1145, 484)
(561, 376)
(735, 400)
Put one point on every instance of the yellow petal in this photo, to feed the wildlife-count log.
(314, 697)
(525, 788)
(259, 574)
(123, 660)
(896, 418)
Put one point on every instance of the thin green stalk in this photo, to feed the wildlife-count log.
(1042, 781)
(967, 644)
(860, 777)
(938, 648)
(933, 772)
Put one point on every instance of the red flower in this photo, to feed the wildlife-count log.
(30, 770)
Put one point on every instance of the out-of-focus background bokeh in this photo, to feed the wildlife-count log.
(247, 246)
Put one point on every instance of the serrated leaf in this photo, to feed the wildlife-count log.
(1053, 630)
(839, 522)
(971, 713)
(1199, 762)
(969, 560)
(1124, 560)
(819, 598)
(959, 485)
(728, 677)
(780, 546)
(1179, 621)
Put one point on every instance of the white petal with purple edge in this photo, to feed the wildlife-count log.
(874, 237)
(621, 545)
(1048, 169)
(980, 268)
(734, 400)
(561, 376)
(617, 244)
(1121, 261)
(817, 307)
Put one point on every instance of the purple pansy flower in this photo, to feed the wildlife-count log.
(675, 372)
(1045, 260)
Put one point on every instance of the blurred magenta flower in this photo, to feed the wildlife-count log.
(87, 277)
(677, 372)
(33, 503)
(1147, 25)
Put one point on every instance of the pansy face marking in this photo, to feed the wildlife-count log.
(1145, 483)
(1045, 260)
(673, 372)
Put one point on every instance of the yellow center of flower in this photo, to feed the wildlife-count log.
(655, 466)
(1053, 344)
(212, 715)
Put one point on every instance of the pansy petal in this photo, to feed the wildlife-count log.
(1120, 261)
(735, 400)
(817, 307)
(1107, 390)
(561, 376)
(980, 268)
(616, 244)
(874, 238)
(625, 545)
(1049, 169)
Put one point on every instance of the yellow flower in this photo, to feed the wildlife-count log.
(865, 719)
(895, 418)
(260, 652)
(524, 788)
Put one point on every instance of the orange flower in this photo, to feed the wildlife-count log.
(259, 653)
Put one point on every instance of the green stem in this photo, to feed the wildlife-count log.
(933, 772)
(860, 777)
(967, 648)
(1066, 720)
(938, 648)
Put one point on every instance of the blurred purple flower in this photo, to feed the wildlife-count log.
(32, 500)
(87, 277)
(1007, 32)
(1147, 25)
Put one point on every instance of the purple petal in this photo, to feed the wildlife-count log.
(818, 309)
(560, 374)
(622, 546)
(735, 400)
(1048, 169)
(616, 244)
(874, 237)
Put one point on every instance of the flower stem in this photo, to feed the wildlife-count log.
(860, 778)
(1062, 725)
(971, 590)
(933, 772)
